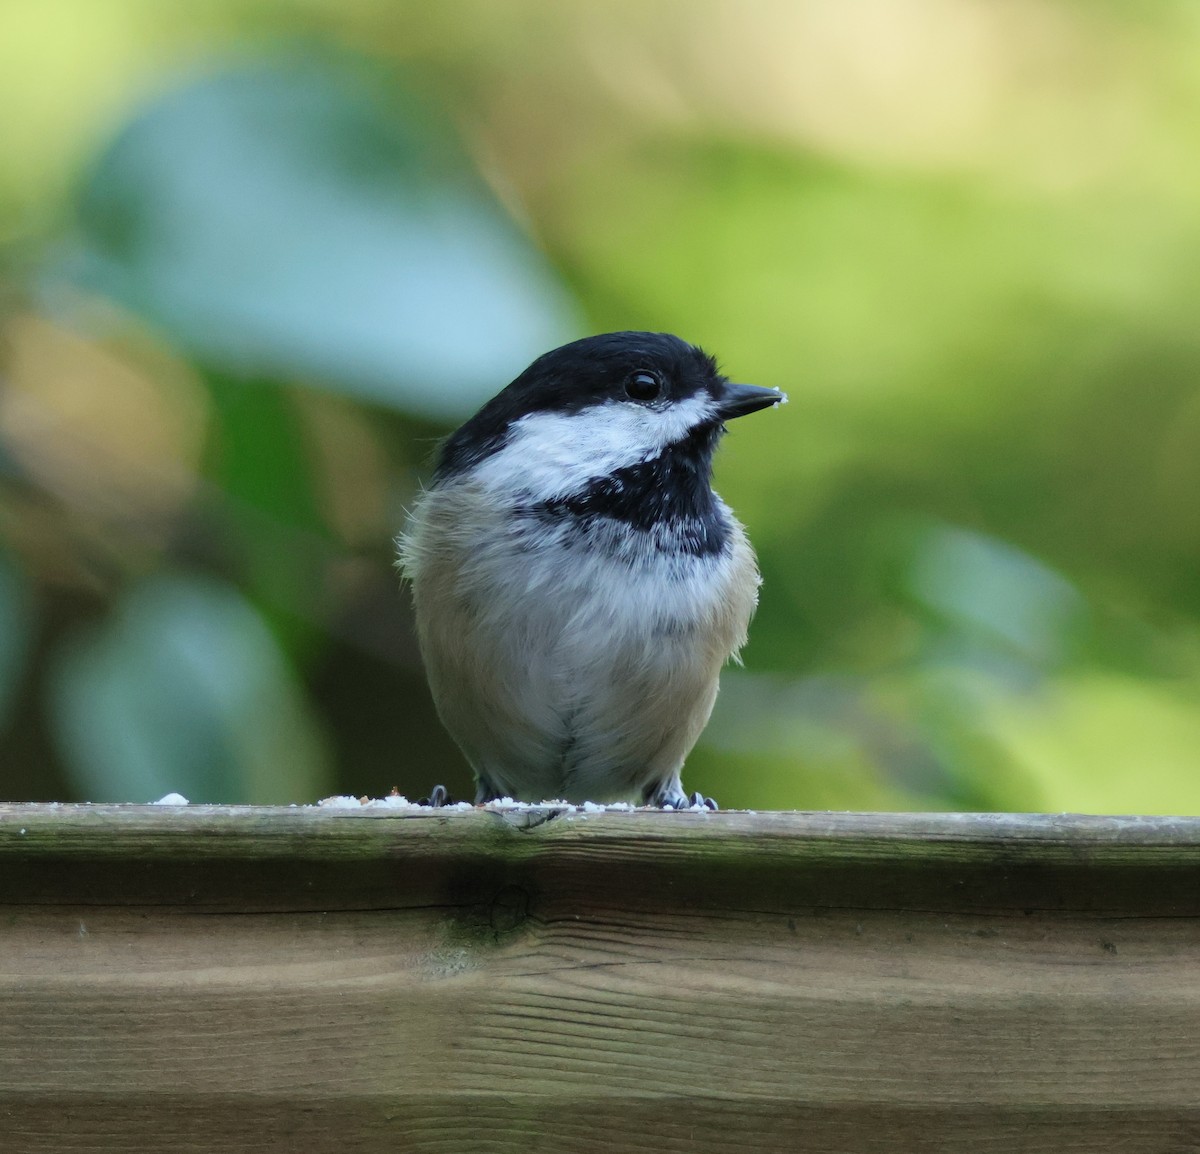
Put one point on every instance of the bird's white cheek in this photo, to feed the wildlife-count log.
(552, 454)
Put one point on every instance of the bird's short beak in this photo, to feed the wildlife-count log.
(738, 400)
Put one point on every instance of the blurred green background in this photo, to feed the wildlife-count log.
(256, 256)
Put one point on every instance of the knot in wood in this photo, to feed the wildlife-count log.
(510, 908)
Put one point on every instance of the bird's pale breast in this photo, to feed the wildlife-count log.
(566, 662)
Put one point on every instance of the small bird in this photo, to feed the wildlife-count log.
(577, 583)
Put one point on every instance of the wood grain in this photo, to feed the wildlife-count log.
(367, 980)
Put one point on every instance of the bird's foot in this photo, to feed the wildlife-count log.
(438, 797)
(485, 791)
(674, 796)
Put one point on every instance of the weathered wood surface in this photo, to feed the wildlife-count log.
(345, 980)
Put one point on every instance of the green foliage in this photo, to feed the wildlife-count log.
(306, 219)
(230, 338)
(184, 689)
(16, 627)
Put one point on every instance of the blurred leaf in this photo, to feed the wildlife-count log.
(185, 689)
(16, 630)
(1106, 743)
(816, 742)
(272, 534)
(993, 594)
(308, 220)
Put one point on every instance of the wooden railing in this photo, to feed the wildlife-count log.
(208, 979)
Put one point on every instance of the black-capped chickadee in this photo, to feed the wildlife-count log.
(577, 583)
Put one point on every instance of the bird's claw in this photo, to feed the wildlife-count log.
(680, 800)
(438, 797)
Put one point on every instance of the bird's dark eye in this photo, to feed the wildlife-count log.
(643, 386)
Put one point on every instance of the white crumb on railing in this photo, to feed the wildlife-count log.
(500, 804)
(397, 801)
